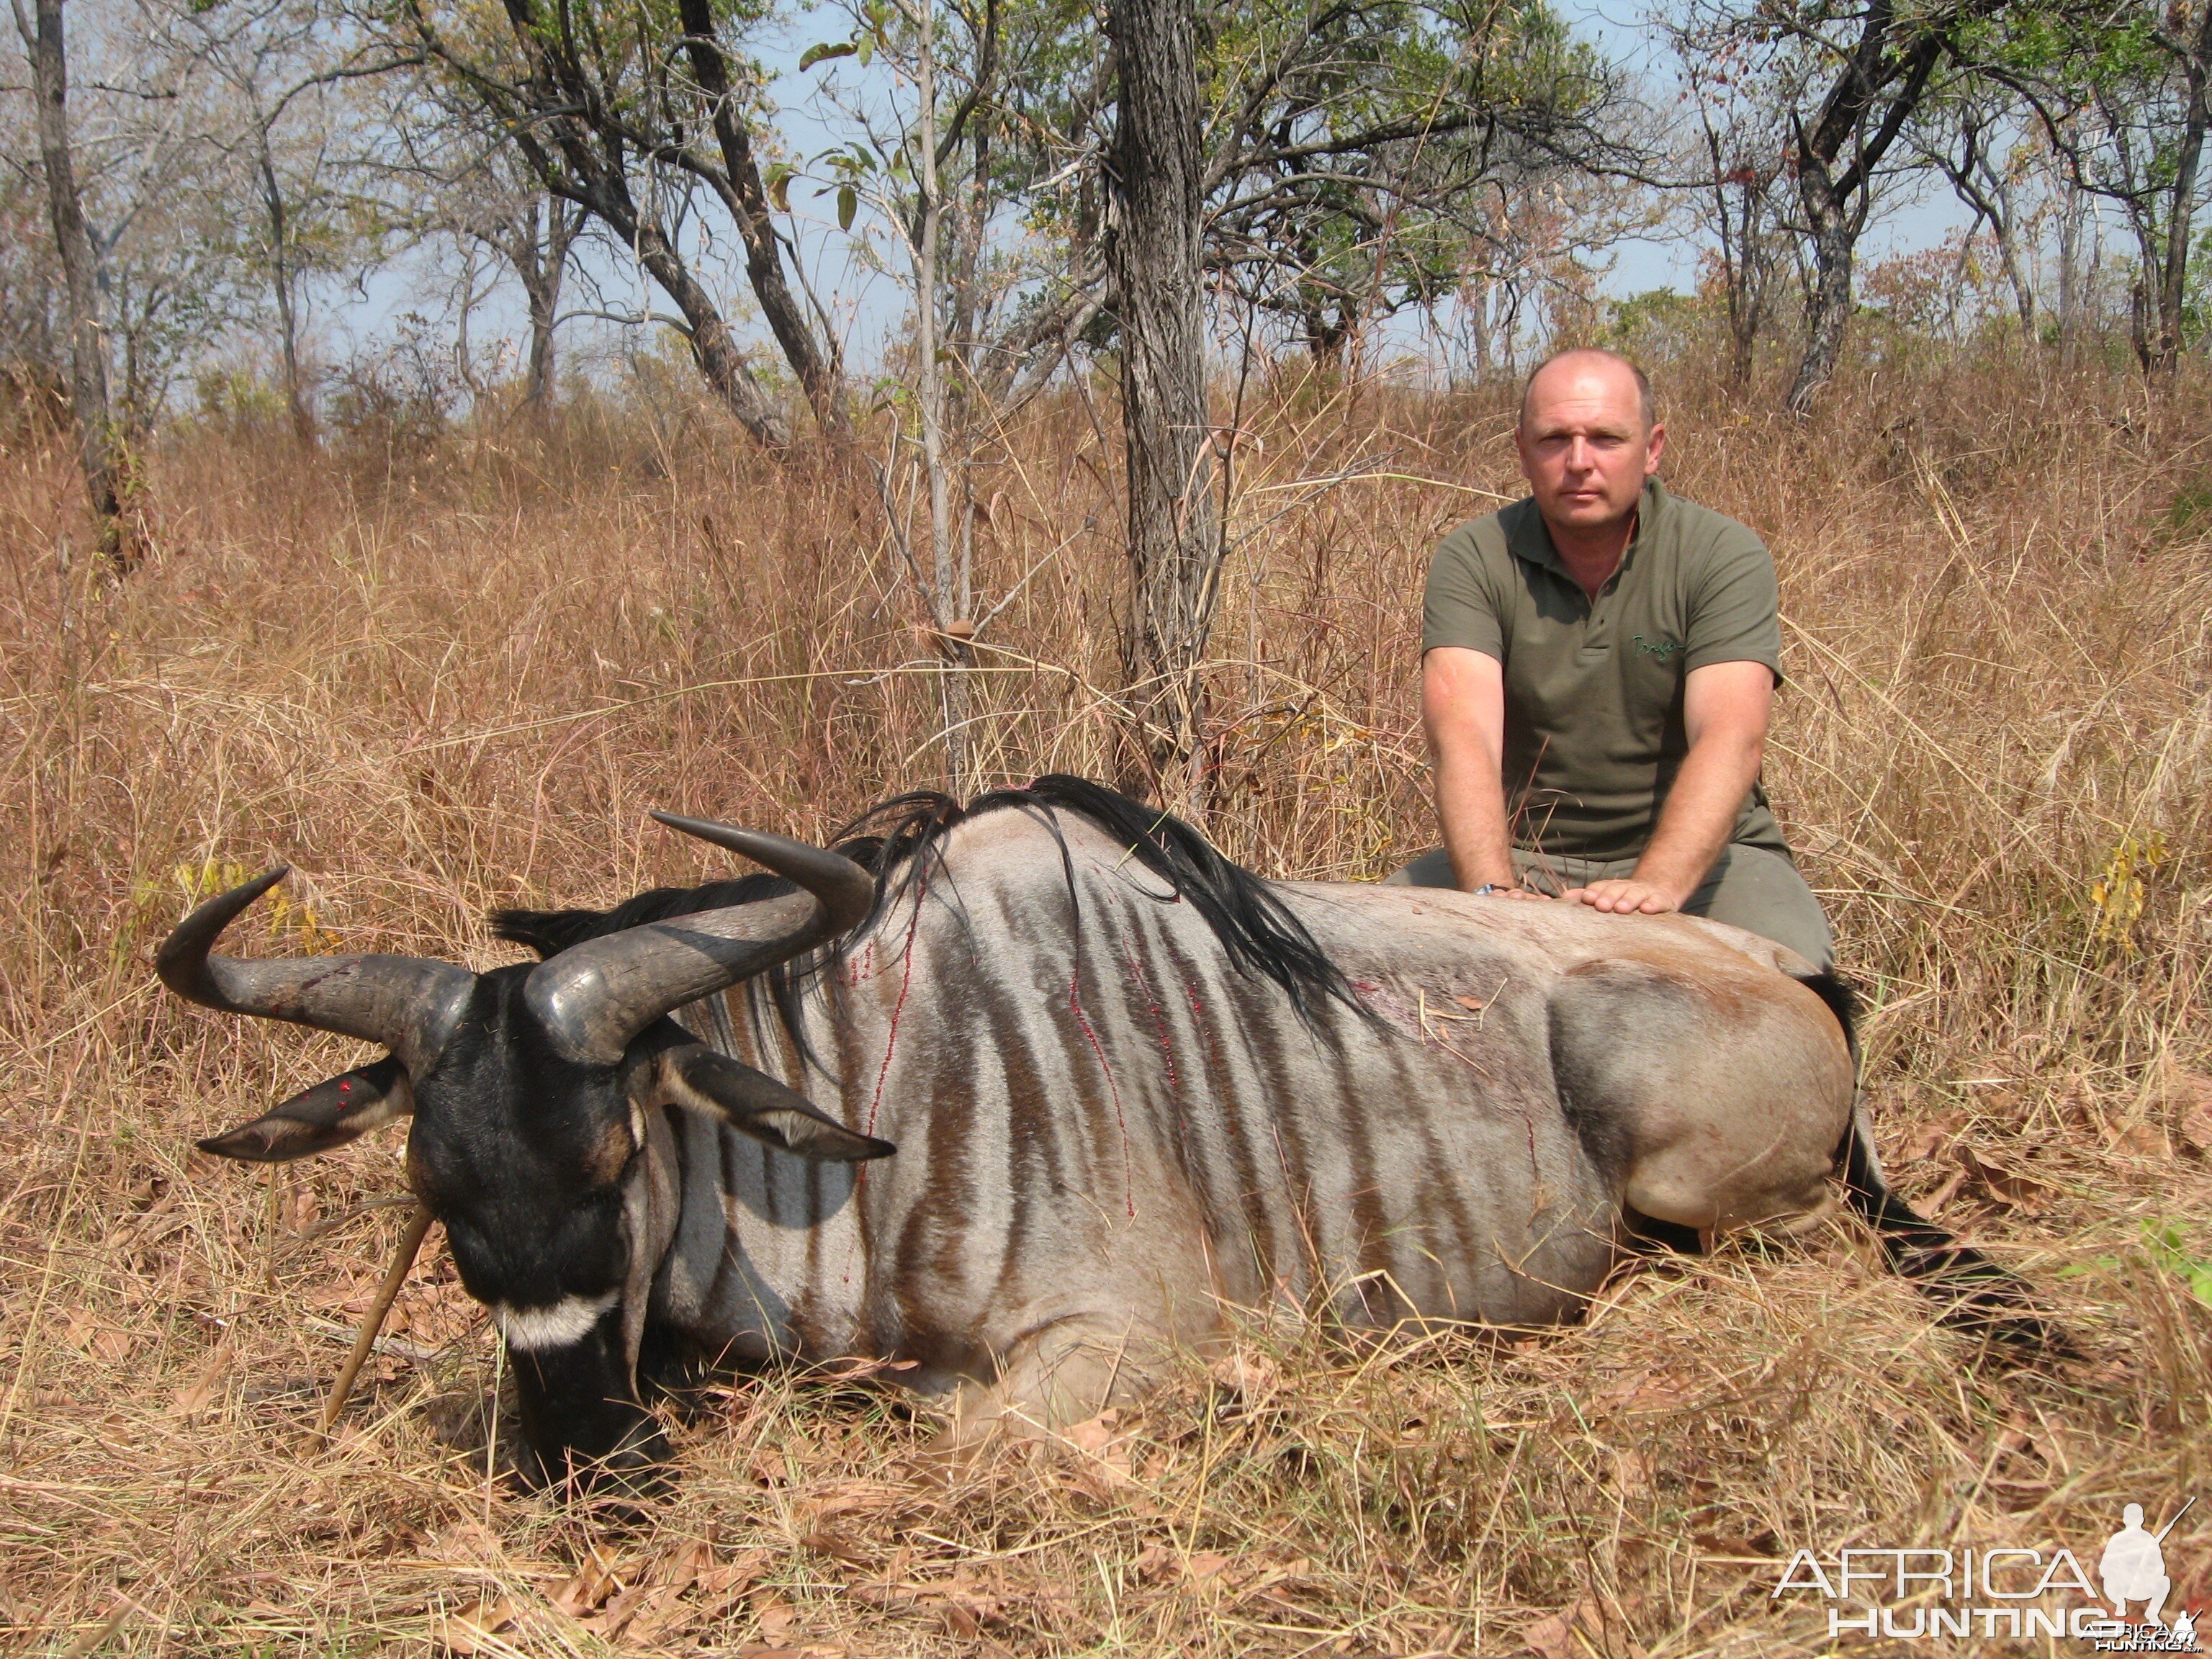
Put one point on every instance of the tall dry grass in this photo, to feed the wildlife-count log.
(461, 683)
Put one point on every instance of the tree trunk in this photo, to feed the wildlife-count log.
(712, 346)
(284, 278)
(2173, 275)
(1152, 256)
(948, 600)
(2070, 216)
(1828, 305)
(538, 386)
(815, 362)
(1876, 91)
(542, 265)
(2023, 291)
(95, 426)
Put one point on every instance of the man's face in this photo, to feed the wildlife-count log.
(1585, 448)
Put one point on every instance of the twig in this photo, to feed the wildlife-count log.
(124, 1606)
(351, 1212)
(403, 1259)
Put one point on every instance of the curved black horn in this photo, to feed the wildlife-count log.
(594, 998)
(409, 1004)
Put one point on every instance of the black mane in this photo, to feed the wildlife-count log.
(901, 839)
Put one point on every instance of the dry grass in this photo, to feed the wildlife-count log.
(462, 688)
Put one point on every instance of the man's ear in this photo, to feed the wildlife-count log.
(754, 1103)
(329, 1115)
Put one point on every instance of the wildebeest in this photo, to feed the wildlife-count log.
(1127, 1085)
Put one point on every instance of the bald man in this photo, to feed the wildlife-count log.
(1598, 663)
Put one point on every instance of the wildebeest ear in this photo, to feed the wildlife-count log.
(754, 1103)
(329, 1115)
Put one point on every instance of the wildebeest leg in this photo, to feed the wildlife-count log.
(1715, 1104)
(1065, 1373)
(1651, 1236)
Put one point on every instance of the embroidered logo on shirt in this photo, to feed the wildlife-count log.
(1661, 649)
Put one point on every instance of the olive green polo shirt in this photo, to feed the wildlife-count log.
(1594, 730)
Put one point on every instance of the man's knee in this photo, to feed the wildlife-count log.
(1433, 869)
(1761, 892)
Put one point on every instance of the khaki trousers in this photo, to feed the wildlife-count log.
(1752, 888)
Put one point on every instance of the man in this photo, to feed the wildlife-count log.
(1598, 663)
(2133, 1568)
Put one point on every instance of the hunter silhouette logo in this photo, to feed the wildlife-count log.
(2133, 1568)
(1928, 1592)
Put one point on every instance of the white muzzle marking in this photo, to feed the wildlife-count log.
(569, 1320)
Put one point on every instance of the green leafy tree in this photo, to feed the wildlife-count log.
(1359, 153)
(2123, 93)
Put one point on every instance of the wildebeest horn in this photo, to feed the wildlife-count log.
(409, 1004)
(594, 998)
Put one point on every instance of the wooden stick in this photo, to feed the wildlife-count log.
(411, 1246)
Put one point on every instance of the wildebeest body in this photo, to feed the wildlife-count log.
(1106, 1131)
(1130, 1087)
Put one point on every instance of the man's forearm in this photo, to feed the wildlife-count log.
(1463, 712)
(1700, 813)
(1471, 810)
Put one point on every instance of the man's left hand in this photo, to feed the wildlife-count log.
(1626, 897)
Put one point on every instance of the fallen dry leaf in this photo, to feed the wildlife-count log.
(475, 1630)
(595, 1580)
(1246, 1373)
(466, 1541)
(622, 1607)
(675, 1569)
(1949, 1189)
(1633, 1471)
(2148, 1138)
(1645, 1392)
(727, 1582)
(196, 1395)
(1552, 1637)
(1580, 1630)
(90, 1335)
(1928, 1136)
(2196, 1121)
(829, 1520)
(2009, 1187)
(1104, 1446)
(774, 1618)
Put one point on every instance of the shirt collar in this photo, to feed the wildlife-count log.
(1530, 539)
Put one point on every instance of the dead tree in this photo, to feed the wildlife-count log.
(1880, 65)
(1155, 176)
(630, 136)
(97, 448)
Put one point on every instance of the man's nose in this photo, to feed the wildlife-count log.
(1580, 456)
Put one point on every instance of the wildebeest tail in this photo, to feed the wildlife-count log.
(1976, 1294)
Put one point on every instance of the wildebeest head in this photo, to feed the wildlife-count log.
(529, 1088)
